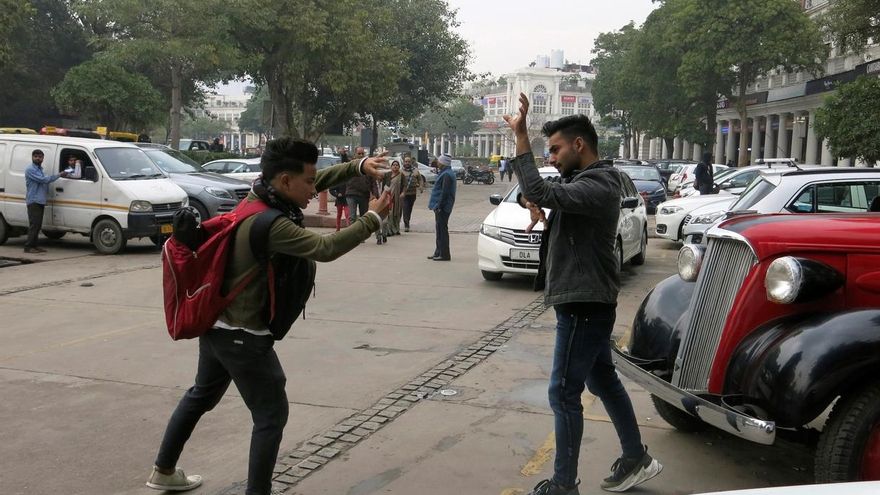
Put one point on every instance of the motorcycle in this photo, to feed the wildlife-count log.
(472, 174)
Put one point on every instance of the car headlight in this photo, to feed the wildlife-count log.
(690, 260)
(140, 207)
(490, 231)
(658, 190)
(709, 218)
(218, 193)
(790, 280)
(670, 210)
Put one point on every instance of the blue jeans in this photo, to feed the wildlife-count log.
(583, 357)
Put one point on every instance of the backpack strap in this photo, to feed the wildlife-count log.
(259, 234)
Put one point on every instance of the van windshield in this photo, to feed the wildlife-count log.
(127, 164)
(173, 161)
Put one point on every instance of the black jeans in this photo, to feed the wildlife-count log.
(355, 203)
(441, 227)
(409, 201)
(583, 356)
(250, 361)
(35, 223)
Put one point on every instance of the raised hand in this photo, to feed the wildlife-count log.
(517, 123)
(382, 204)
(377, 166)
(537, 215)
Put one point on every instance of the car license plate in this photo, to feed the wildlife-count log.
(524, 255)
(166, 228)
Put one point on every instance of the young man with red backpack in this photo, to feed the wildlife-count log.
(239, 346)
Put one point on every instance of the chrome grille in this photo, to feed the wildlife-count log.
(525, 265)
(520, 238)
(726, 264)
(163, 207)
(240, 194)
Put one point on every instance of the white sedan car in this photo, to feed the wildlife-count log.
(503, 245)
(674, 214)
(246, 169)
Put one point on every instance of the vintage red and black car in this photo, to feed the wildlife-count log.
(771, 325)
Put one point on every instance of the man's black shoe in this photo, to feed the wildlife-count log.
(438, 258)
(627, 472)
(549, 487)
(431, 257)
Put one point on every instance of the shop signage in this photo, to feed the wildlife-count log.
(569, 99)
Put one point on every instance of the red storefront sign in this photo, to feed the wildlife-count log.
(569, 99)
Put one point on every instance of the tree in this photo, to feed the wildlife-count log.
(102, 91)
(203, 127)
(12, 13)
(252, 119)
(458, 117)
(616, 91)
(609, 147)
(850, 119)
(852, 23)
(318, 59)
(186, 40)
(433, 64)
(44, 45)
(735, 42)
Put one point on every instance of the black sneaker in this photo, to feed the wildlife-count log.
(549, 487)
(627, 472)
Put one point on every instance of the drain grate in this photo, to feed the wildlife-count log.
(4, 262)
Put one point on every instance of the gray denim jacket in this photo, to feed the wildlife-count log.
(578, 263)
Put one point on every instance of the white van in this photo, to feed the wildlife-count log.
(121, 195)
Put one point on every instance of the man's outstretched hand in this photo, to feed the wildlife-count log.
(377, 166)
(382, 204)
(517, 122)
(537, 215)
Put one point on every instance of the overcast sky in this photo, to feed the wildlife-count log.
(505, 35)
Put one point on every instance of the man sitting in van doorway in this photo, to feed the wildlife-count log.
(37, 184)
(77, 165)
(74, 167)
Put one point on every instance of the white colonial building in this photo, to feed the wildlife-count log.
(781, 112)
(229, 108)
(555, 89)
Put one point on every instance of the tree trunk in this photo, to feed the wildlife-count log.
(744, 134)
(280, 119)
(637, 143)
(375, 139)
(670, 147)
(176, 104)
(711, 124)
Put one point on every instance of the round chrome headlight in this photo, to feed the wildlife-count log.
(784, 280)
(690, 260)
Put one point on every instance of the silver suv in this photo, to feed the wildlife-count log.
(810, 190)
(209, 193)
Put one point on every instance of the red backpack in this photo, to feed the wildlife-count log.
(194, 262)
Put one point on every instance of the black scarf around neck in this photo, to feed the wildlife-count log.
(267, 193)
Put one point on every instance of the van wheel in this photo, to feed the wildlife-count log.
(679, 419)
(107, 237)
(492, 276)
(849, 448)
(4, 230)
(54, 234)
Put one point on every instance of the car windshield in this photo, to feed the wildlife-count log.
(757, 190)
(127, 164)
(642, 173)
(173, 161)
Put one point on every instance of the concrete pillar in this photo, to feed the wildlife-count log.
(698, 153)
(798, 123)
(676, 149)
(769, 139)
(645, 151)
(719, 144)
(664, 149)
(756, 140)
(442, 144)
(827, 157)
(686, 150)
(730, 149)
(783, 144)
(812, 140)
(861, 163)
(844, 162)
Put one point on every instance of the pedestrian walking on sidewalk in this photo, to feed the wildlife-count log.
(358, 192)
(412, 187)
(578, 273)
(240, 346)
(442, 200)
(395, 187)
(338, 193)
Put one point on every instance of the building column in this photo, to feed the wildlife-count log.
(676, 149)
(698, 153)
(812, 140)
(719, 144)
(769, 139)
(664, 150)
(783, 144)
(827, 157)
(861, 163)
(652, 149)
(797, 127)
(730, 149)
(756, 140)
(844, 162)
(685, 149)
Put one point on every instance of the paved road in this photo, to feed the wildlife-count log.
(89, 377)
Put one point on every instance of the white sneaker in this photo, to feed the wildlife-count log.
(177, 482)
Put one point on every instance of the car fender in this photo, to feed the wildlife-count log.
(656, 330)
(795, 367)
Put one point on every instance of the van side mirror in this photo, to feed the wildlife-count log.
(495, 199)
(90, 173)
(629, 203)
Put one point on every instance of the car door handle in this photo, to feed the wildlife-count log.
(59, 189)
